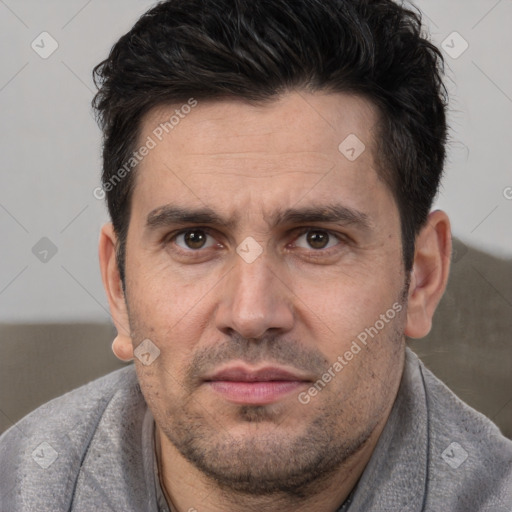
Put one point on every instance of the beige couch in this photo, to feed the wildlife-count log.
(469, 348)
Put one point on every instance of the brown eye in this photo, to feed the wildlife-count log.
(193, 239)
(318, 239)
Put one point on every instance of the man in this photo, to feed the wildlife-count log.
(269, 168)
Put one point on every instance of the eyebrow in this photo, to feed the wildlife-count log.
(334, 213)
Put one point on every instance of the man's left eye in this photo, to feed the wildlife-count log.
(316, 239)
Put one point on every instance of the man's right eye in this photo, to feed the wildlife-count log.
(194, 239)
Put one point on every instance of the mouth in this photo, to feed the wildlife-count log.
(245, 386)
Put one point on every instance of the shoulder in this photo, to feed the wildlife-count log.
(470, 461)
(42, 454)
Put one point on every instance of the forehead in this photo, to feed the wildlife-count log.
(296, 121)
(231, 155)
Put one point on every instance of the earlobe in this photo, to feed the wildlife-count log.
(122, 348)
(429, 275)
(114, 291)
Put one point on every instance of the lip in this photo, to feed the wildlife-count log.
(243, 385)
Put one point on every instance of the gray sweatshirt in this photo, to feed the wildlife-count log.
(92, 450)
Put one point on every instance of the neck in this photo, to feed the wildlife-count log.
(187, 489)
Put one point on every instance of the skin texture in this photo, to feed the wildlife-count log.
(299, 305)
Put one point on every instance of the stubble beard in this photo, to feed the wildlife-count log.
(279, 462)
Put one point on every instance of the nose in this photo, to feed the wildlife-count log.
(254, 301)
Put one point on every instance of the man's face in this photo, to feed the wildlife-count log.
(257, 253)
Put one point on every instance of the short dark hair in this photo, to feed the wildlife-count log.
(257, 50)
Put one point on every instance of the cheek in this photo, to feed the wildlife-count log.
(165, 300)
(158, 391)
(365, 330)
(346, 302)
(367, 360)
(173, 317)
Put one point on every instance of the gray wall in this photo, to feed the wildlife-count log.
(50, 144)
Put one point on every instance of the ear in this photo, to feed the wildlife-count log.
(429, 274)
(122, 345)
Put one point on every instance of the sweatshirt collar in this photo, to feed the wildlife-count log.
(396, 475)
